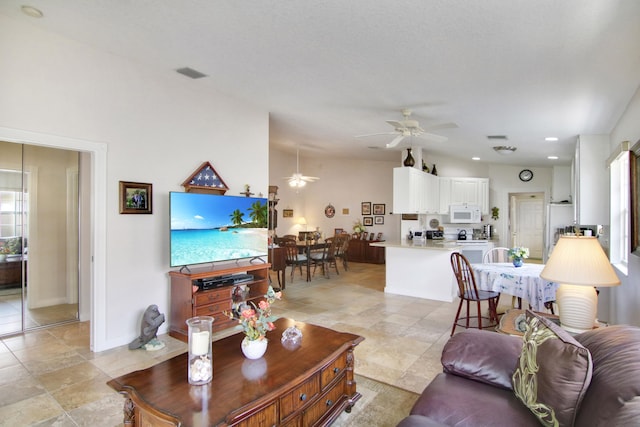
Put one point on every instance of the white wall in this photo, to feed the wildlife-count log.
(158, 128)
(625, 299)
(343, 183)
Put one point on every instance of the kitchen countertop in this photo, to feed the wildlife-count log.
(442, 245)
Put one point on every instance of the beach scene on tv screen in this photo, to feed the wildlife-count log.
(207, 228)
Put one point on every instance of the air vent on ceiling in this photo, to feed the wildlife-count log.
(500, 137)
(190, 72)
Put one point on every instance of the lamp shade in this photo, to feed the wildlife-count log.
(302, 221)
(579, 261)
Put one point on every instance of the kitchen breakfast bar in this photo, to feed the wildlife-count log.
(420, 268)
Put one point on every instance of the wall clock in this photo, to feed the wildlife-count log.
(525, 175)
(329, 211)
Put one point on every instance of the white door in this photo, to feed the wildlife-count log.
(528, 224)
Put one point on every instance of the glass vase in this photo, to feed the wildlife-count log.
(200, 350)
(517, 262)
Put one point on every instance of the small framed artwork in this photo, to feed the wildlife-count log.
(136, 198)
(378, 208)
(338, 231)
(287, 213)
(366, 208)
(409, 217)
(378, 220)
(367, 221)
(345, 211)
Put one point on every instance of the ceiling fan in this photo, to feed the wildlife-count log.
(297, 180)
(410, 127)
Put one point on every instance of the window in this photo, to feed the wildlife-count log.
(620, 179)
(11, 204)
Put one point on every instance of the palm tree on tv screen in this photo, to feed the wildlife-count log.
(259, 213)
(236, 217)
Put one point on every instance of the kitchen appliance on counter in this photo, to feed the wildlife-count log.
(462, 235)
(464, 214)
(435, 235)
(487, 229)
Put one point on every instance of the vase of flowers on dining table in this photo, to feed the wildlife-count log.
(518, 254)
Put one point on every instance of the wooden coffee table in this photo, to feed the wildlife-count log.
(305, 386)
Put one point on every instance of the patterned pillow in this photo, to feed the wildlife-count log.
(553, 372)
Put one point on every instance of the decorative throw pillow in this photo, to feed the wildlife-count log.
(553, 372)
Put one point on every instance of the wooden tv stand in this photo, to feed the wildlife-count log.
(188, 301)
(309, 385)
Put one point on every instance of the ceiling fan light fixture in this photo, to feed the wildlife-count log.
(297, 183)
(504, 149)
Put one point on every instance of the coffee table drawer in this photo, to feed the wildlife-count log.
(334, 370)
(299, 396)
(326, 402)
(265, 417)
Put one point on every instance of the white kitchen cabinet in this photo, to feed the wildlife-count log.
(459, 191)
(445, 194)
(407, 190)
(431, 193)
(415, 191)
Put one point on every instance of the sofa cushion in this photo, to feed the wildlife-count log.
(613, 398)
(456, 401)
(482, 356)
(553, 372)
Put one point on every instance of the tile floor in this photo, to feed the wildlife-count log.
(51, 378)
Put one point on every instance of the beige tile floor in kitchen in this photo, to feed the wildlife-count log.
(51, 378)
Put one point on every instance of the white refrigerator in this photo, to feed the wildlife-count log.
(559, 216)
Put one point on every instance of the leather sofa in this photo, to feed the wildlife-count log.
(591, 379)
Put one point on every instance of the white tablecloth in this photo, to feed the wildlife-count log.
(524, 282)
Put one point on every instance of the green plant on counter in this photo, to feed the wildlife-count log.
(495, 213)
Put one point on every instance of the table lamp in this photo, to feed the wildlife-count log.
(578, 264)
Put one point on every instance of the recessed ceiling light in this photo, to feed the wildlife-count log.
(475, 158)
(552, 157)
(551, 138)
(32, 11)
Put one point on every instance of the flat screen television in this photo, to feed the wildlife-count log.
(208, 228)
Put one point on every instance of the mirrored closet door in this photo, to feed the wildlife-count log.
(39, 236)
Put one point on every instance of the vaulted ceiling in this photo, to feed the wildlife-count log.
(333, 69)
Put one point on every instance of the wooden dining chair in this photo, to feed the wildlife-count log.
(469, 292)
(327, 258)
(343, 250)
(293, 258)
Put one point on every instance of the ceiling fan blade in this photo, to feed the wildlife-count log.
(396, 124)
(395, 141)
(309, 178)
(449, 125)
(376, 134)
(433, 137)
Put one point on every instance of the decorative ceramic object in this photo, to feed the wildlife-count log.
(434, 171)
(409, 161)
(517, 262)
(200, 351)
(254, 349)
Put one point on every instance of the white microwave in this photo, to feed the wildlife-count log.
(464, 214)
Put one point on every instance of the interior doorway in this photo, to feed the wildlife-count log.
(526, 219)
(39, 235)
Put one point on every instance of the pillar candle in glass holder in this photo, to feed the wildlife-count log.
(200, 350)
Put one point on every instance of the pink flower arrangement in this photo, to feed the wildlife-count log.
(257, 320)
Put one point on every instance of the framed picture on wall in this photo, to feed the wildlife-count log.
(287, 213)
(136, 198)
(366, 208)
(378, 220)
(378, 208)
(367, 221)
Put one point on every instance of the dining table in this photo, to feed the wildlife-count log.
(524, 282)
